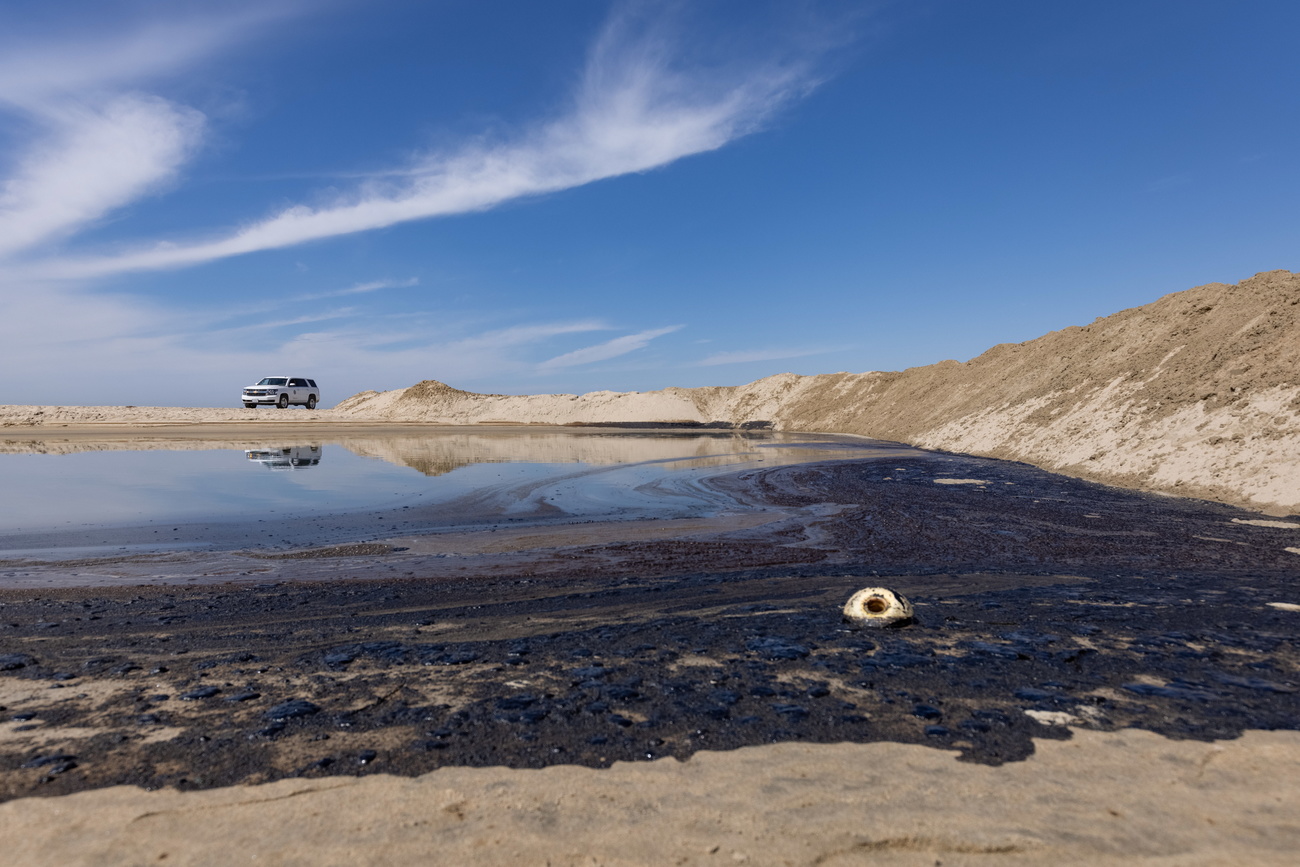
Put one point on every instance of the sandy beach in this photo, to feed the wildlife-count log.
(1096, 676)
(1073, 802)
(1097, 673)
(626, 433)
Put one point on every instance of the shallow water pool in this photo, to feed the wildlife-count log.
(78, 496)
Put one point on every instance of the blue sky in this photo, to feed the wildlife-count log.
(578, 195)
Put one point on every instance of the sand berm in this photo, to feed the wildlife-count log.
(1196, 394)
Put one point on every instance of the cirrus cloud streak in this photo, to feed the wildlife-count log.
(638, 107)
(607, 350)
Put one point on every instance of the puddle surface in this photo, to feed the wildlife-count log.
(78, 497)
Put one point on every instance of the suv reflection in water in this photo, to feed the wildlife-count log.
(294, 458)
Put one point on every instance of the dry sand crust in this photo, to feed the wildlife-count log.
(1126, 797)
(1196, 394)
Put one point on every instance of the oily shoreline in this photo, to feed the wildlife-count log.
(1044, 602)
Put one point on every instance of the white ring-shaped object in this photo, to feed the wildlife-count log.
(877, 606)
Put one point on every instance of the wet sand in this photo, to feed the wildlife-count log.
(1089, 654)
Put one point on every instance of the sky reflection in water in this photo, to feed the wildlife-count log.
(175, 481)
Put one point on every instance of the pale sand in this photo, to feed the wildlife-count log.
(1128, 797)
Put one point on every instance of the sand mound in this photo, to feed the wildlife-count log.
(1196, 394)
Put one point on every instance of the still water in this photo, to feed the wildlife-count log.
(184, 493)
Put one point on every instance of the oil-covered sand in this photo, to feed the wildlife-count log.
(1095, 675)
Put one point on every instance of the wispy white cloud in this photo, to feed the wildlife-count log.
(607, 350)
(250, 309)
(360, 289)
(95, 142)
(405, 335)
(520, 335)
(305, 319)
(95, 132)
(639, 106)
(124, 53)
(745, 356)
(91, 160)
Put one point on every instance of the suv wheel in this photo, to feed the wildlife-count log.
(283, 403)
(311, 401)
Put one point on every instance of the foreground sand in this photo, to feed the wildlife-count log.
(1161, 631)
(1127, 797)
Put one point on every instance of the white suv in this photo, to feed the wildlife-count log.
(292, 458)
(282, 391)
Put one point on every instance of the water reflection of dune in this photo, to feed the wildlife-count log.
(443, 452)
(72, 446)
(438, 452)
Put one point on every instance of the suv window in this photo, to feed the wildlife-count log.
(312, 383)
(298, 383)
(272, 380)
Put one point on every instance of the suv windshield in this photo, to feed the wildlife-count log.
(273, 380)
